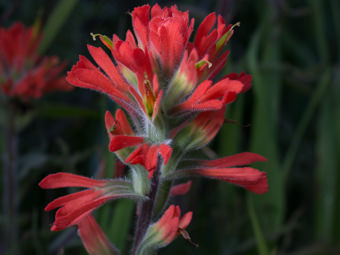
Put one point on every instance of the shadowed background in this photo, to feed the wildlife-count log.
(291, 116)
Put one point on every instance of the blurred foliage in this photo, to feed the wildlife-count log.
(292, 49)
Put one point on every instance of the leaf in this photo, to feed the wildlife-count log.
(264, 126)
(55, 22)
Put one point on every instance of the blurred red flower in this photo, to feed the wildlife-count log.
(23, 72)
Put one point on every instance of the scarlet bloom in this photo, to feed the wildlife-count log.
(169, 105)
(74, 207)
(25, 74)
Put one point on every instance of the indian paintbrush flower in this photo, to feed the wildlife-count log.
(164, 84)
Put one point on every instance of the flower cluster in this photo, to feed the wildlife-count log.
(23, 73)
(171, 103)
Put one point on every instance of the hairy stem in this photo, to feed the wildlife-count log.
(10, 184)
(146, 208)
(162, 197)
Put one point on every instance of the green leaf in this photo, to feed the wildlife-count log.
(121, 223)
(326, 168)
(307, 116)
(55, 22)
(266, 88)
(261, 243)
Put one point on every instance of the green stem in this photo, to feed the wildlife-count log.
(146, 208)
(162, 196)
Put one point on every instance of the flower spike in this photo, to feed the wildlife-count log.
(163, 82)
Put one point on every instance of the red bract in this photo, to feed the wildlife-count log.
(25, 74)
(120, 132)
(93, 237)
(146, 155)
(73, 207)
(180, 189)
(209, 97)
(225, 169)
(171, 224)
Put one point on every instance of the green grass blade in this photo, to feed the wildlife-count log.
(121, 223)
(326, 170)
(261, 243)
(303, 124)
(335, 7)
(266, 88)
(55, 22)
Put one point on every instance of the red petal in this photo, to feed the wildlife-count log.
(123, 123)
(240, 159)
(61, 180)
(103, 60)
(185, 220)
(250, 178)
(165, 150)
(168, 214)
(242, 77)
(109, 123)
(76, 215)
(204, 28)
(222, 87)
(94, 79)
(93, 237)
(180, 189)
(122, 141)
(140, 20)
(60, 201)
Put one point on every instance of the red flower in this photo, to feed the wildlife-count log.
(25, 74)
(225, 169)
(73, 207)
